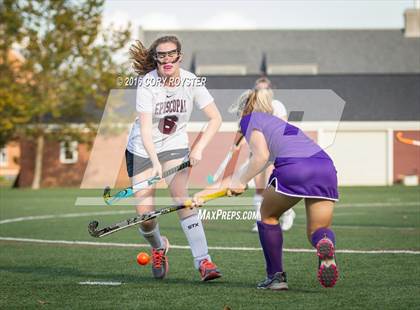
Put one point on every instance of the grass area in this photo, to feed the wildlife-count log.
(47, 275)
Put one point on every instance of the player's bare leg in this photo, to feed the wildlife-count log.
(150, 229)
(319, 215)
(287, 218)
(271, 237)
(191, 224)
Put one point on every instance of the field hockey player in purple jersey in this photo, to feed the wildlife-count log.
(302, 170)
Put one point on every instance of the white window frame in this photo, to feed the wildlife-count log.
(3, 157)
(74, 145)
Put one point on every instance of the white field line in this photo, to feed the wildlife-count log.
(100, 283)
(185, 247)
(237, 201)
(70, 215)
(82, 214)
(245, 205)
(367, 227)
(67, 215)
(380, 204)
(348, 213)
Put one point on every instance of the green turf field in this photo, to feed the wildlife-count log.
(43, 275)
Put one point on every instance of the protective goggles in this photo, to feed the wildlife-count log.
(173, 56)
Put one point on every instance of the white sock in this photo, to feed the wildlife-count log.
(193, 229)
(153, 237)
(257, 205)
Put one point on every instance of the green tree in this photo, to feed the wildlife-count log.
(67, 66)
(13, 105)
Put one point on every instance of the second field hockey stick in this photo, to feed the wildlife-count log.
(407, 140)
(213, 178)
(98, 233)
(129, 191)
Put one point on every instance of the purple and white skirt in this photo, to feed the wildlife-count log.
(311, 177)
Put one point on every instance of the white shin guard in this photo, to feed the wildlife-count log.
(193, 229)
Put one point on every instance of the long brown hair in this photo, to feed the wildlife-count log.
(143, 59)
(259, 100)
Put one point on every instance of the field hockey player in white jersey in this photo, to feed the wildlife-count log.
(158, 141)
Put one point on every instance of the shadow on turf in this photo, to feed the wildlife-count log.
(130, 279)
(126, 278)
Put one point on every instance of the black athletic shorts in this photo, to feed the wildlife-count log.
(137, 164)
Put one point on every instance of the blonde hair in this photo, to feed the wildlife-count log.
(259, 100)
(143, 58)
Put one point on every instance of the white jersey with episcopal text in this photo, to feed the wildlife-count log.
(171, 110)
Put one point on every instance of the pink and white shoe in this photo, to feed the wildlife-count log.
(208, 270)
(327, 269)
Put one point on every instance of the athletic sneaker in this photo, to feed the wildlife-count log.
(327, 268)
(160, 265)
(286, 220)
(208, 270)
(278, 282)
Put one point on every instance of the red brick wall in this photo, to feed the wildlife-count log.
(54, 173)
(123, 180)
(106, 162)
(27, 150)
(406, 157)
(213, 155)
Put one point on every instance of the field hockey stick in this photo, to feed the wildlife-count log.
(407, 140)
(98, 233)
(129, 191)
(213, 178)
(235, 108)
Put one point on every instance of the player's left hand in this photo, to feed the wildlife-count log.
(236, 188)
(196, 155)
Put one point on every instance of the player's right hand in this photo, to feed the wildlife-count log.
(196, 155)
(197, 201)
(157, 170)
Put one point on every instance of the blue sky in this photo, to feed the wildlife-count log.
(248, 14)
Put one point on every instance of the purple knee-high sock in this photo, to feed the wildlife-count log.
(321, 233)
(271, 238)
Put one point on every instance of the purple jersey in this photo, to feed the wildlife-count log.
(284, 140)
(302, 168)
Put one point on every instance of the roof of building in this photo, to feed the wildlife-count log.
(296, 51)
(367, 97)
